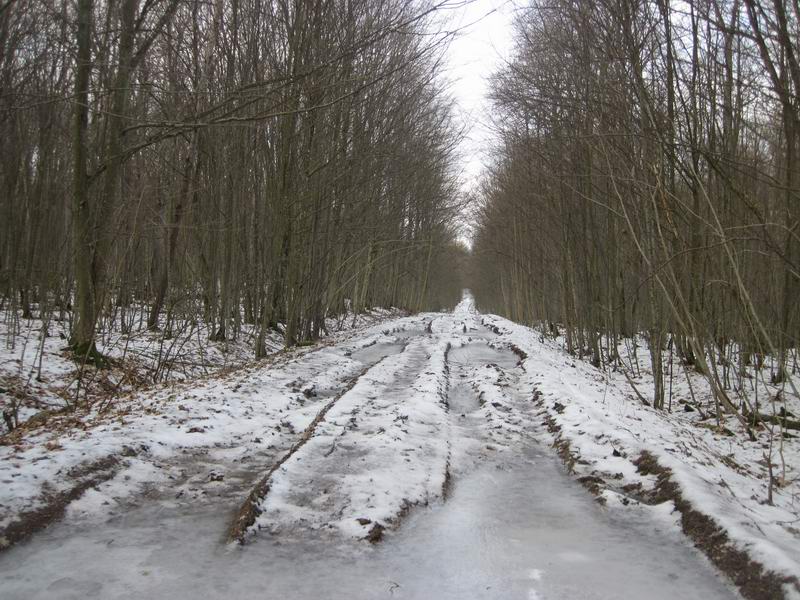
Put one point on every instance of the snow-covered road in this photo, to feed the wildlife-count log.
(423, 435)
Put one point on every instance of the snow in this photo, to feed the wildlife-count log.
(38, 372)
(721, 476)
(382, 448)
(429, 429)
(387, 445)
(244, 412)
(514, 528)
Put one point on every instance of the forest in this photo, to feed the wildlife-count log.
(250, 169)
(232, 166)
(475, 299)
(646, 184)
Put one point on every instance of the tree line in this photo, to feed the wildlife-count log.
(647, 181)
(270, 162)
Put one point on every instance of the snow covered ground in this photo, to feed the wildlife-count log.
(514, 528)
(720, 473)
(383, 446)
(241, 416)
(37, 372)
(424, 433)
(386, 445)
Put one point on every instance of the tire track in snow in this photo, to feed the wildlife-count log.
(382, 450)
(249, 511)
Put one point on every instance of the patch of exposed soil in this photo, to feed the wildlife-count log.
(55, 504)
(754, 581)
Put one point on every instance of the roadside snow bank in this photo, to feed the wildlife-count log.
(231, 418)
(38, 373)
(724, 477)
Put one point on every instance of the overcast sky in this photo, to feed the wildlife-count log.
(482, 46)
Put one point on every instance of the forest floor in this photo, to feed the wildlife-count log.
(430, 436)
(39, 375)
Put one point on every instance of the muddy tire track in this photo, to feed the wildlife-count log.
(249, 511)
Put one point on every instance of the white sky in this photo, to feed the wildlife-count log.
(482, 46)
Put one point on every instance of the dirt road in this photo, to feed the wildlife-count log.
(427, 443)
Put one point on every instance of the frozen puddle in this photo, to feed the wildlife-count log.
(478, 353)
(464, 361)
(510, 530)
(369, 355)
(462, 399)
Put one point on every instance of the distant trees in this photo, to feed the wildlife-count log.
(226, 161)
(647, 181)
